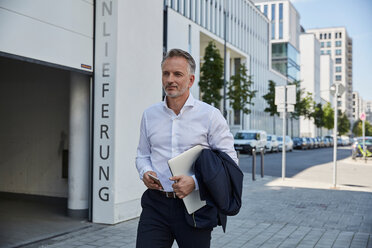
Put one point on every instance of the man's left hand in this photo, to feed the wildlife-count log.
(183, 185)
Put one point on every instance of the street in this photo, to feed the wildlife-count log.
(296, 161)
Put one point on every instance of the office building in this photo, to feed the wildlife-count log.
(285, 30)
(310, 79)
(336, 42)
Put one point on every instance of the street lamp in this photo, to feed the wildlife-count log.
(336, 90)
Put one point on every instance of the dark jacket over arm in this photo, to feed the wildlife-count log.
(220, 184)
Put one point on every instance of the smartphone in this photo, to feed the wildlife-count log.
(156, 180)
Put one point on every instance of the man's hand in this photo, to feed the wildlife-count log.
(149, 182)
(183, 185)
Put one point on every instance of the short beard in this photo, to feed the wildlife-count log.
(176, 94)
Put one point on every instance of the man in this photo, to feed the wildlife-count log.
(168, 129)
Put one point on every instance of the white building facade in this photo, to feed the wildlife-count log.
(192, 24)
(310, 78)
(88, 70)
(71, 97)
(336, 42)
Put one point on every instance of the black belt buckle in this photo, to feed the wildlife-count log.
(170, 194)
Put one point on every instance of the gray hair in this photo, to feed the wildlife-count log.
(183, 54)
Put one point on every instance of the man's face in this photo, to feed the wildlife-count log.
(176, 77)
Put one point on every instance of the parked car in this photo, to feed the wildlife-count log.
(345, 140)
(246, 140)
(316, 142)
(357, 147)
(288, 143)
(272, 144)
(330, 138)
(300, 143)
(321, 142)
(327, 142)
(311, 142)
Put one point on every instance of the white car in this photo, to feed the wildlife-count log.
(246, 140)
(288, 143)
(272, 144)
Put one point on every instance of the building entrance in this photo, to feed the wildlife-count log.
(35, 143)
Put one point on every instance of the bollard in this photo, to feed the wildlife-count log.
(253, 164)
(262, 162)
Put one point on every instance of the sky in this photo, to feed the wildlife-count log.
(356, 16)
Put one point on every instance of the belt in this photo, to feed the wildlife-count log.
(169, 194)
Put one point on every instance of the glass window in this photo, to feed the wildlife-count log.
(328, 51)
(338, 77)
(329, 36)
(328, 44)
(325, 36)
(336, 34)
(280, 21)
(322, 44)
(340, 35)
(322, 52)
(321, 36)
(338, 60)
(338, 103)
(338, 68)
(258, 7)
(265, 10)
(338, 43)
(272, 21)
(338, 51)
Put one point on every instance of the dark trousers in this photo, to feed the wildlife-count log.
(163, 220)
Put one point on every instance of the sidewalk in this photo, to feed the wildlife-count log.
(303, 212)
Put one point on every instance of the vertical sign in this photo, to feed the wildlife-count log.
(104, 109)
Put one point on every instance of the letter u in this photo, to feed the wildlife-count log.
(107, 153)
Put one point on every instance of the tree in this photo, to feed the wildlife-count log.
(270, 100)
(343, 123)
(303, 104)
(239, 93)
(211, 81)
(328, 116)
(317, 115)
(358, 128)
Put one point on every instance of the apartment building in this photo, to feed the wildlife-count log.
(336, 42)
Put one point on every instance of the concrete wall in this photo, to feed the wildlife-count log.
(128, 57)
(34, 110)
(58, 32)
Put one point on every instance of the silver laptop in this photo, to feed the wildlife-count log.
(182, 165)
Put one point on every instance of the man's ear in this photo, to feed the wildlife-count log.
(192, 79)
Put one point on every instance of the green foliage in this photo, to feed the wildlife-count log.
(343, 123)
(328, 116)
(358, 128)
(318, 115)
(211, 78)
(303, 106)
(270, 100)
(239, 93)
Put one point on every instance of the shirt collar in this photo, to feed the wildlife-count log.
(190, 102)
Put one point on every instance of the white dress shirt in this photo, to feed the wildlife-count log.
(164, 135)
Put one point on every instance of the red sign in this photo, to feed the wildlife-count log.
(362, 116)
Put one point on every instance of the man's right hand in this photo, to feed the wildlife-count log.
(149, 182)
